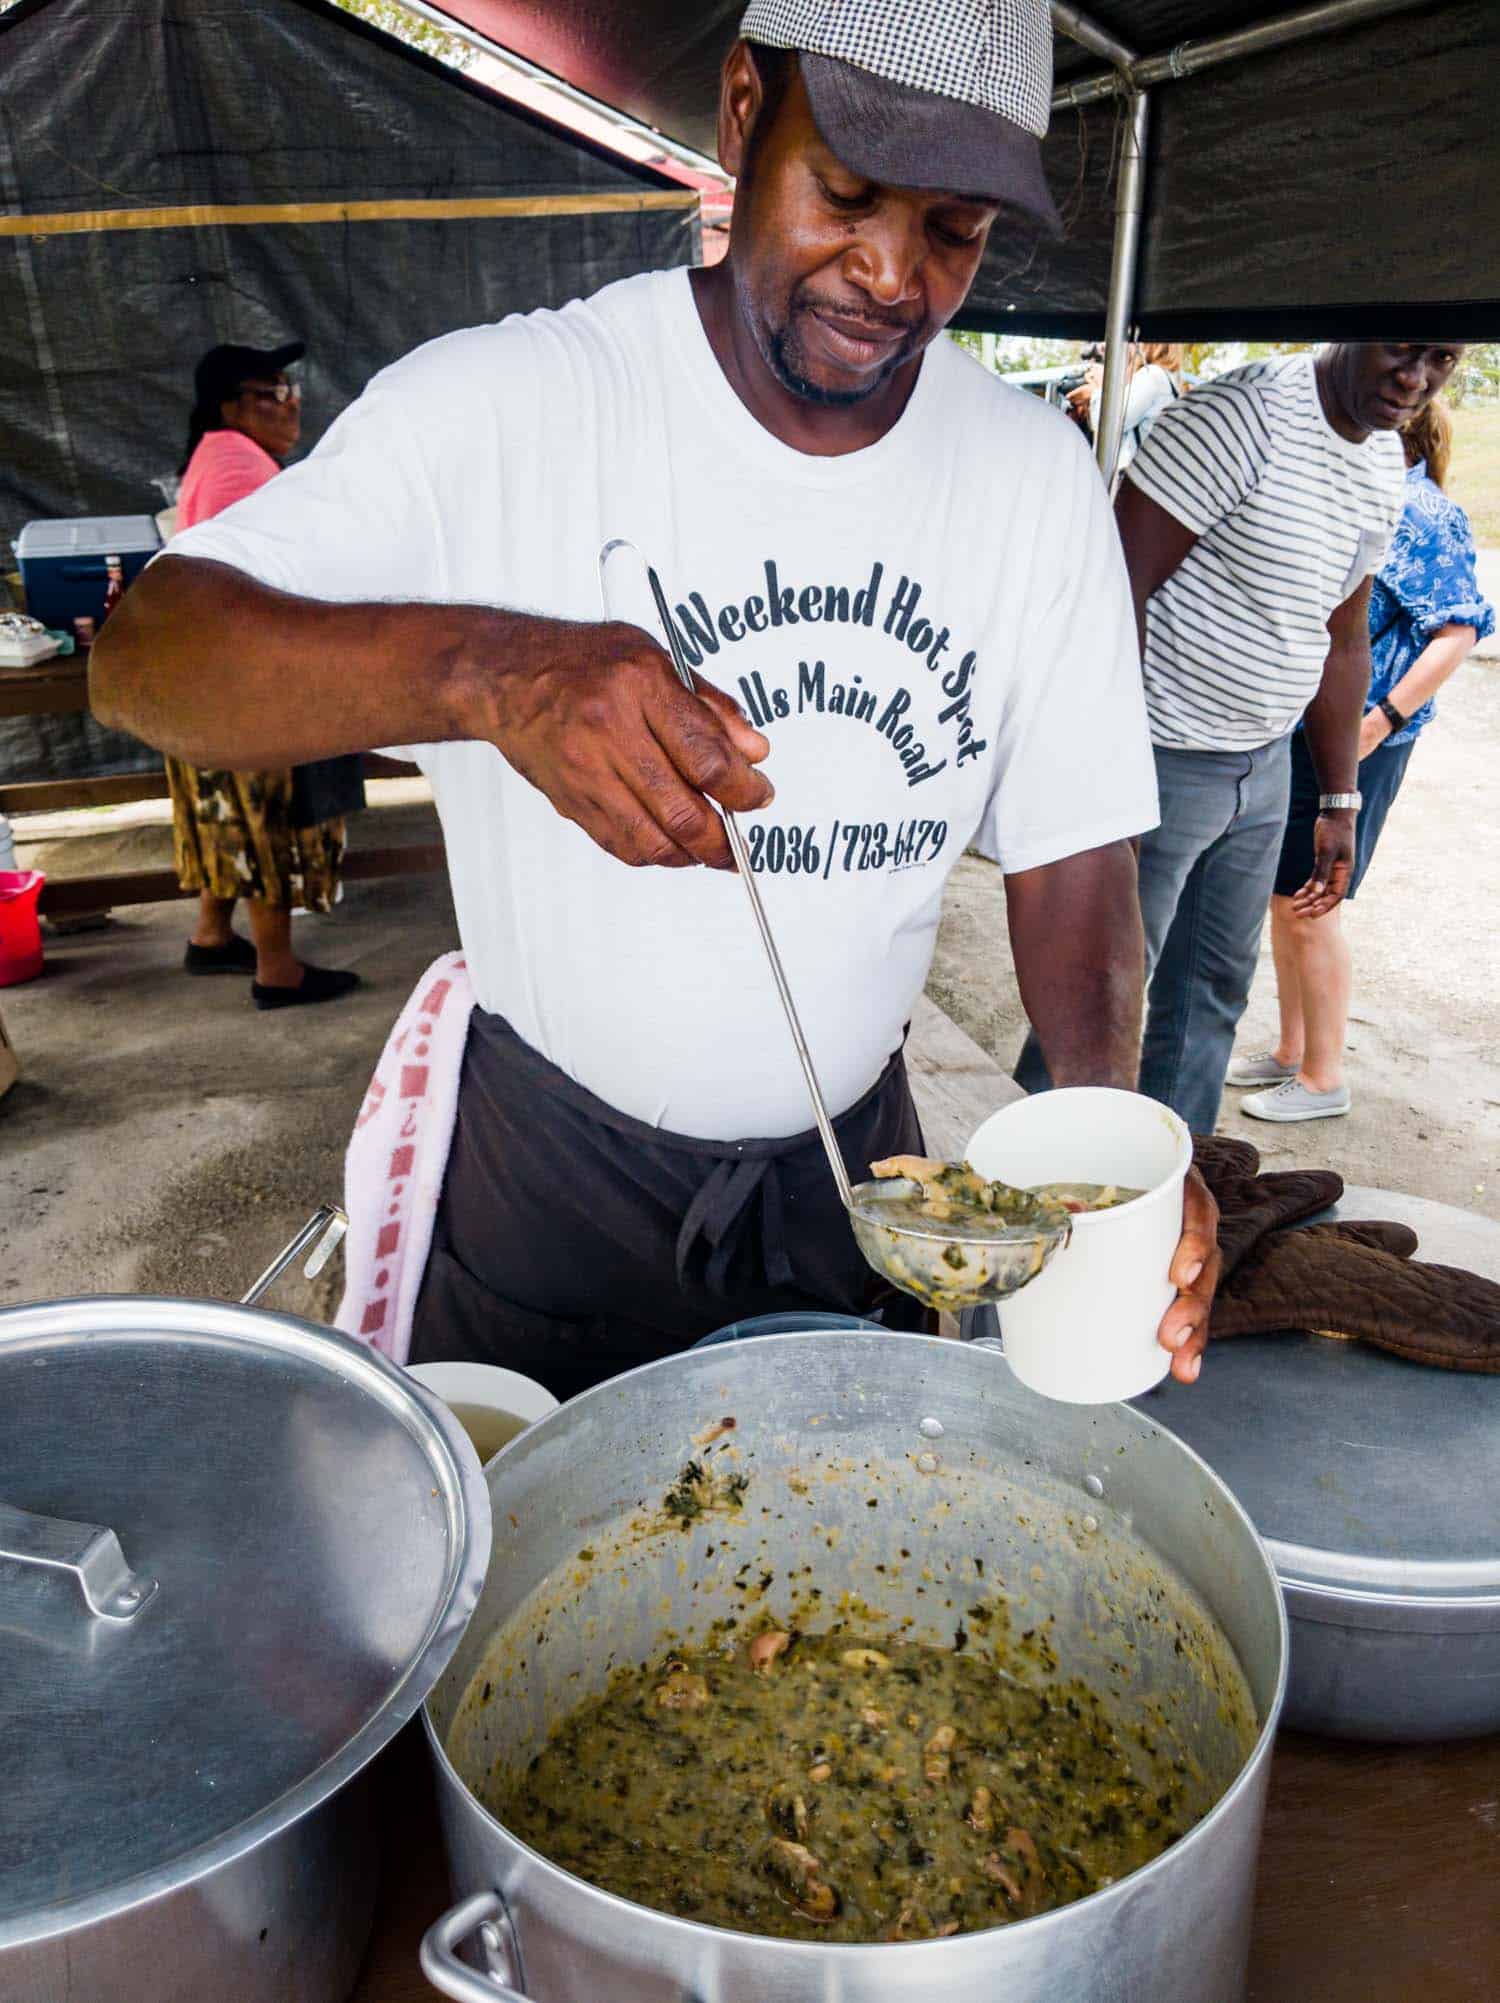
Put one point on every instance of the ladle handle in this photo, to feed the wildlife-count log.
(778, 973)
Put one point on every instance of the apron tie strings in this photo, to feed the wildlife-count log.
(719, 1205)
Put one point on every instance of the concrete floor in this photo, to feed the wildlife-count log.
(165, 1137)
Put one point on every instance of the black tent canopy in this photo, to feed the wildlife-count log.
(175, 173)
(1223, 171)
(1334, 185)
(388, 199)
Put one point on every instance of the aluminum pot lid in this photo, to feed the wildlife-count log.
(1372, 1480)
(236, 1551)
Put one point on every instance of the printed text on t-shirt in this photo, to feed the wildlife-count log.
(818, 688)
(803, 850)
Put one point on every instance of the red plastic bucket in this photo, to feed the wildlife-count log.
(20, 933)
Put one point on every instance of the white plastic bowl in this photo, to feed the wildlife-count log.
(1084, 1330)
(471, 1390)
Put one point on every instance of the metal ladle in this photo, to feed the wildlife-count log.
(943, 1268)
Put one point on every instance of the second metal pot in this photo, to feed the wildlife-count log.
(1090, 1520)
(235, 1551)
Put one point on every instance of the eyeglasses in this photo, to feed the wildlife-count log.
(273, 392)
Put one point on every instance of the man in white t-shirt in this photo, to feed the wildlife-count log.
(900, 583)
(1253, 519)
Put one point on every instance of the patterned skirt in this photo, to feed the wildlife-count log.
(233, 835)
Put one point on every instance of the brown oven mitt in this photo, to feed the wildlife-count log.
(1252, 1204)
(1359, 1280)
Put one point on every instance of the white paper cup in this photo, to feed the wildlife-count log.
(484, 1398)
(1084, 1330)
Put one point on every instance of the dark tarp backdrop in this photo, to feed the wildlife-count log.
(1336, 187)
(1345, 185)
(129, 105)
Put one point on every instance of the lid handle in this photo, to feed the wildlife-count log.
(88, 1550)
(322, 1232)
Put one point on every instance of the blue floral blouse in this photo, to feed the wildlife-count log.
(1427, 581)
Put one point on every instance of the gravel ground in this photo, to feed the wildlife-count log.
(166, 1137)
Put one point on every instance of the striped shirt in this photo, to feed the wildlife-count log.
(1290, 519)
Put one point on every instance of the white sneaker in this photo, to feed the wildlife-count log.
(1294, 1101)
(1265, 1068)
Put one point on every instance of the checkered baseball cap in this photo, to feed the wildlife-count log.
(951, 94)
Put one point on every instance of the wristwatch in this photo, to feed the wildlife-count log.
(1328, 802)
(1391, 714)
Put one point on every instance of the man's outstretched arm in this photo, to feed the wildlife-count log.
(204, 662)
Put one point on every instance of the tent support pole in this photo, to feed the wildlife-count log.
(1130, 202)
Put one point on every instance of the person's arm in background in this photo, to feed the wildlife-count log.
(1442, 657)
(1202, 455)
(1332, 724)
(1448, 612)
(1155, 544)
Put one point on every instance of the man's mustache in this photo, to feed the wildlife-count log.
(861, 316)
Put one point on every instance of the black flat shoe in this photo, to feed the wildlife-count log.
(238, 957)
(319, 984)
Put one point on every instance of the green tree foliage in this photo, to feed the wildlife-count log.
(408, 27)
(1016, 353)
(1477, 377)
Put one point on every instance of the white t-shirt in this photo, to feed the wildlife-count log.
(1290, 518)
(934, 632)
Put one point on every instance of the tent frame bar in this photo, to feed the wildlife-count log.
(1132, 78)
(1137, 73)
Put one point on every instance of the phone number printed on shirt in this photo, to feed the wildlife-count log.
(848, 846)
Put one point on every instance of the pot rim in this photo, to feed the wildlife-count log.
(454, 1462)
(1124, 1888)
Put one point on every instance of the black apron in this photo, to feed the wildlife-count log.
(573, 1242)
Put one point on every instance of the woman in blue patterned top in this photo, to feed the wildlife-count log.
(1427, 613)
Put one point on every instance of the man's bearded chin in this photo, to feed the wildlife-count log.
(785, 355)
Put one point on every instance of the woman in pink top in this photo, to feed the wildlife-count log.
(242, 834)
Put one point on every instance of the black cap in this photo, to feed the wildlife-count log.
(225, 370)
(904, 137)
(949, 94)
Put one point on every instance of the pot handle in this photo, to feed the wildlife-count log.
(322, 1232)
(485, 1913)
(89, 1551)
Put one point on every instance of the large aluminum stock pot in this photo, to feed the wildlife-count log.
(1091, 1523)
(235, 1552)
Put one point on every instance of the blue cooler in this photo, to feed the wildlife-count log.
(63, 563)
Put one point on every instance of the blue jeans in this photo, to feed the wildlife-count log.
(1205, 882)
